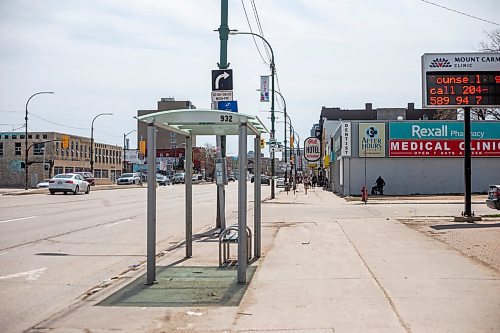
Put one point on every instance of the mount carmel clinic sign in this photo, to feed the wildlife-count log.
(443, 139)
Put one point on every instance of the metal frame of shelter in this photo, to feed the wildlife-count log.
(192, 122)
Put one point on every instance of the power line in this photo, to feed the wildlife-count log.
(53, 122)
(459, 12)
(250, 26)
(257, 19)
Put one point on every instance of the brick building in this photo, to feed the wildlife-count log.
(47, 158)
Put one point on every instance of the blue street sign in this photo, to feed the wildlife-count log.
(228, 106)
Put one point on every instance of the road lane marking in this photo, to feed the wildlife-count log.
(2, 253)
(116, 223)
(19, 219)
(30, 275)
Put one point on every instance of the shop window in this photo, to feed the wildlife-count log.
(69, 170)
(97, 173)
(1, 148)
(58, 170)
(104, 174)
(17, 148)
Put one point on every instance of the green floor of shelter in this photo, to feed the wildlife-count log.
(184, 286)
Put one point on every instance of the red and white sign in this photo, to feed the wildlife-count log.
(443, 148)
(312, 151)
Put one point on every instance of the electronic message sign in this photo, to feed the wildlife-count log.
(461, 80)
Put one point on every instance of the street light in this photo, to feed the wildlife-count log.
(273, 69)
(125, 146)
(26, 137)
(92, 140)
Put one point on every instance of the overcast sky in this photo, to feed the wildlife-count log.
(124, 55)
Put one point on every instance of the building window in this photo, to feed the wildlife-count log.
(97, 173)
(69, 170)
(173, 140)
(21, 136)
(44, 136)
(57, 148)
(37, 136)
(1, 148)
(104, 174)
(14, 136)
(58, 170)
(5, 136)
(17, 148)
(30, 136)
(173, 134)
(38, 149)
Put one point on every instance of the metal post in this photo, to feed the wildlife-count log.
(273, 69)
(92, 140)
(188, 179)
(26, 150)
(221, 207)
(124, 152)
(467, 162)
(242, 203)
(257, 230)
(151, 214)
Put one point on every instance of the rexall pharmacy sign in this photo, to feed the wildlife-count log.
(442, 139)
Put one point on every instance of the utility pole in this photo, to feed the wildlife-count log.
(221, 139)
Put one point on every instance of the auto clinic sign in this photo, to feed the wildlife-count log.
(442, 139)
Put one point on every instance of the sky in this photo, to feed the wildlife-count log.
(120, 56)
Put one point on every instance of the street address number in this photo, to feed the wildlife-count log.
(226, 118)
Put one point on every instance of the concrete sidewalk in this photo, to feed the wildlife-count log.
(327, 266)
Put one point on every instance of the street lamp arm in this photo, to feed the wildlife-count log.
(235, 32)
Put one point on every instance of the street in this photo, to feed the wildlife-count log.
(56, 249)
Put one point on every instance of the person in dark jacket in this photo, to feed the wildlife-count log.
(379, 187)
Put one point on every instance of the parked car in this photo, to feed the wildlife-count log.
(263, 179)
(493, 200)
(129, 179)
(162, 180)
(197, 178)
(280, 182)
(179, 178)
(43, 184)
(69, 182)
(88, 176)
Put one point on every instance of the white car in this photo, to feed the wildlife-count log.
(69, 182)
(43, 184)
(129, 178)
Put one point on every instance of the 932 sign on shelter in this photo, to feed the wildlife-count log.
(461, 80)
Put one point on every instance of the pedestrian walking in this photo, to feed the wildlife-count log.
(314, 181)
(305, 180)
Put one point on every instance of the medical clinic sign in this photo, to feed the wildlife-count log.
(443, 139)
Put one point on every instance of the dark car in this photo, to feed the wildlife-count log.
(493, 200)
(88, 176)
(263, 180)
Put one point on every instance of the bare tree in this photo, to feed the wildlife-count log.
(491, 44)
(446, 114)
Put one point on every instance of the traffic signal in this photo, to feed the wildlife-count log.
(262, 143)
(65, 141)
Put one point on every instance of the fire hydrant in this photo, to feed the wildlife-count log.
(364, 194)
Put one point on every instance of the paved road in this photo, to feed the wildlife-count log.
(54, 248)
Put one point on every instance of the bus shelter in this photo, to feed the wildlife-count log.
(189, 123)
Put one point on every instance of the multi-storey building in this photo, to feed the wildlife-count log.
(47, 157)
(164, 139)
